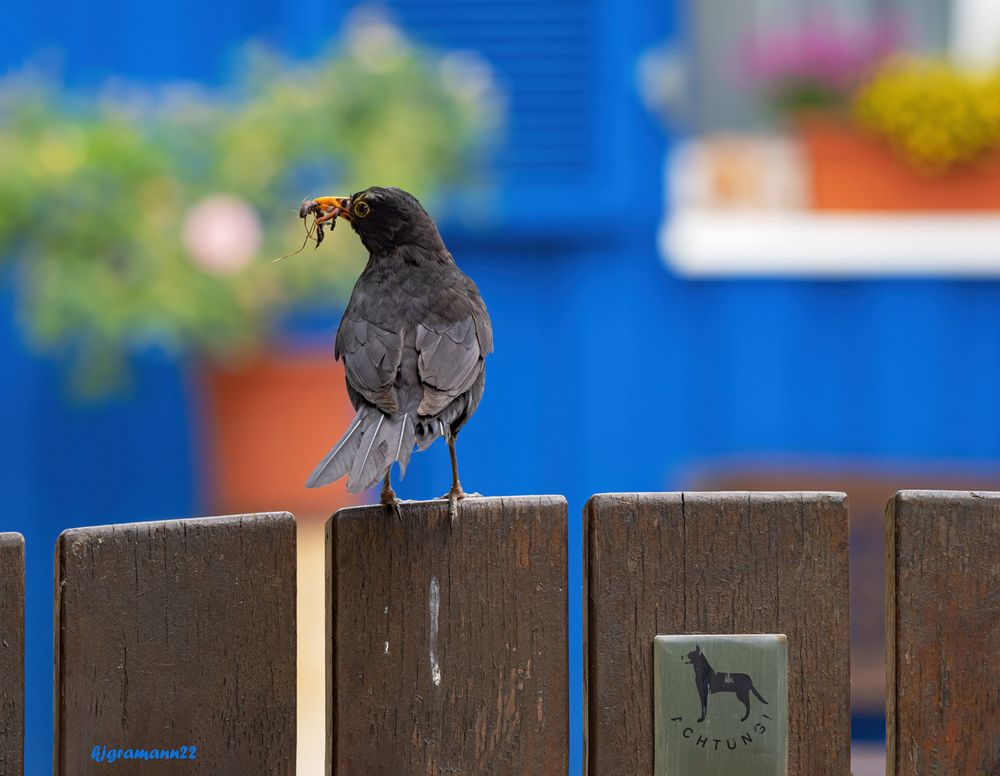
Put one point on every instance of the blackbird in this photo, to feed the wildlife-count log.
(413, 339)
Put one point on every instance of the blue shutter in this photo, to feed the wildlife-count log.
(546, 58)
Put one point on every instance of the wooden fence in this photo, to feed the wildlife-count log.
(448, 641)
(448, 648)
(11, 654)
(716, 563)
(943, 632)
(175, 635)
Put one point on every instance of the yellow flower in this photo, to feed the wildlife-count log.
(934, 114)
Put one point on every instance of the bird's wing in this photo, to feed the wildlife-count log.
(450, 359)
(371, 360)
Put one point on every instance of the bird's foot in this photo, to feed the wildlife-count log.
(455, 495)
(459, 495)
(388, 498)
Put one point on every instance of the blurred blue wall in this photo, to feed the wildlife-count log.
(609, 373)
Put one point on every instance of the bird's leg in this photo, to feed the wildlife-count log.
(456, 493)
(388, 496)
(456, 486)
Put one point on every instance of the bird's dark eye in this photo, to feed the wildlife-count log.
(361, 209)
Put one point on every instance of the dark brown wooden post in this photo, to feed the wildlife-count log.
(177, 634)
(674, 563)
(11, 654)
(448, 641)
(943, 627)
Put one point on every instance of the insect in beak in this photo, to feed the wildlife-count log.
(328, 208)
(325, 210)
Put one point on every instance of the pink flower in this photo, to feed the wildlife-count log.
(823, 50)
(222, 233)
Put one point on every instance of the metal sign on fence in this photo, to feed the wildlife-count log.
(721, 705)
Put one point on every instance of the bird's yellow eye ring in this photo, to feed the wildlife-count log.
(361, 209)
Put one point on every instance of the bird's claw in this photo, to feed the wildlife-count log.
(388, 499)
(455, 495)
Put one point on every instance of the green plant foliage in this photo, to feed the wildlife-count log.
(113, 208)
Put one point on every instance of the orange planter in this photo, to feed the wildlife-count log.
(852, 171)
(268, 423)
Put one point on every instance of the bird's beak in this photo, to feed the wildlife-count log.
(329, 208)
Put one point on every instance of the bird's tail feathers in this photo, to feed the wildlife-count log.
(338, 461)
(371, 444)
(388, 439)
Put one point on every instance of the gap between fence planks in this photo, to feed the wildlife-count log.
(11, 654)
(448, 642)
(177, 633)
(943, 630)
(672, 563)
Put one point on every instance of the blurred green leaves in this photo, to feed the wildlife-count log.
(151, 218)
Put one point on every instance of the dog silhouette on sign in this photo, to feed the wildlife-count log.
(709, 682)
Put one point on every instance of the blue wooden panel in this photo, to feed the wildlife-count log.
(90, 41)
(19, 460)
(543, 54)
(68, 463)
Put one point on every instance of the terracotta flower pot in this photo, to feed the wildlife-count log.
(850, 170)
(267, 424)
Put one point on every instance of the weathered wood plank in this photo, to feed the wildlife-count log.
(943, 626)
(177, 633)
(448, 644)
(672, 563)
(11, 654)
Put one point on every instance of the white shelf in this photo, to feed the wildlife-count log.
(703, 243)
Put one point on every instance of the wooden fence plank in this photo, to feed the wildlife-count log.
(448, 644)
(11, 654)
(673, 563)
(943, 627)
(177, 633)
